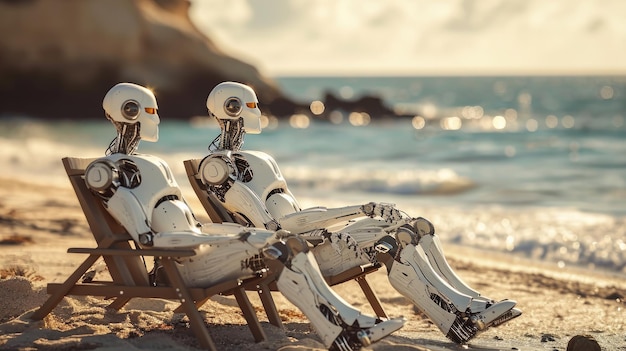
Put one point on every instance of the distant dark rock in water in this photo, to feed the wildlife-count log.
(372, 105)
(59, 58)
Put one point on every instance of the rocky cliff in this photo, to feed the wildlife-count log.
(58, 58)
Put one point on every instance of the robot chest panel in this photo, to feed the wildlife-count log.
(265, 173)
(149, 177)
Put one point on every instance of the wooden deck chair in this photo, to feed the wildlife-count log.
(129, 275)
(219, 214)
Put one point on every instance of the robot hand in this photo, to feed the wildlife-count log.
(283, 234)
(388, 212)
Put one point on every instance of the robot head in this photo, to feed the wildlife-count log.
(129, 103)
(231, 101)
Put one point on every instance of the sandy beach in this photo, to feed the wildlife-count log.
(38, 223)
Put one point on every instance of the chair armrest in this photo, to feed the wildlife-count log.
(133, 252)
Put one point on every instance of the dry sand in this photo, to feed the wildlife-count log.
(38, 223)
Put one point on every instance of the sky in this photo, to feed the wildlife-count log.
(402, 37)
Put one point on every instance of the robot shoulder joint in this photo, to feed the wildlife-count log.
(215, 170)
(102, 175)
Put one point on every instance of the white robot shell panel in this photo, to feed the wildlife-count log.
(266, 174)
(280, 203)
(172, 216)
(217, 263)
(152, 188)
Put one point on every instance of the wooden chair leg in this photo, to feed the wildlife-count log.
(58, 295)
(269, 305)
(249, 314)
(195, 319)
(371, 297)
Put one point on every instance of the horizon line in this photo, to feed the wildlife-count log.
(452, 73)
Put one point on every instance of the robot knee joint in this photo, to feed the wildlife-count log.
(412, 233)
(422, 227)
(297, 245)
(277, 252)
(405, 235)
(284, 251)
(386, 245)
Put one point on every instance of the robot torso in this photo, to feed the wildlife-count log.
(151, 181)
(259, 190)
(133, 186)
(265, 175)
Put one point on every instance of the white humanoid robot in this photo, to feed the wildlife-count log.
(250, 186)
(140, 192)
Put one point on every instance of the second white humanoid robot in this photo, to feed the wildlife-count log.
(251, 187)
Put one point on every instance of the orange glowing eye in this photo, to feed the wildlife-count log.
(251, 104)
(150, 110)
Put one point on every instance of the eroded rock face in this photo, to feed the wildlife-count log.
(58, 58)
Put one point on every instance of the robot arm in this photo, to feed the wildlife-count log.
(102, 177)
(127, 210)
(240, 199)
(217, 234)
(219, 174)
(388, 212)
(321, 217)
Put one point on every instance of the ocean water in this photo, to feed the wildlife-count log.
(532, 167)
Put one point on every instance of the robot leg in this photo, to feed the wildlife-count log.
(413, 254)
(455, 313)
(339, 325)
(431, 245)
(233, 259)
(338, 253)
(412, 285)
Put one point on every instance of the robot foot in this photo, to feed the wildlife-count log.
(462, 330)
(498, 313)
(493, 313)
(354, 338)
(507, 316)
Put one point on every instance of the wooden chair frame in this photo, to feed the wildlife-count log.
(129, 276)
(219, 214)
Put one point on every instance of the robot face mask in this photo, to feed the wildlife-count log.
(130, 103)
(149, 125)
(230, 100)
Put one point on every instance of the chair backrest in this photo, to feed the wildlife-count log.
(211, 204)
(107, 232)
